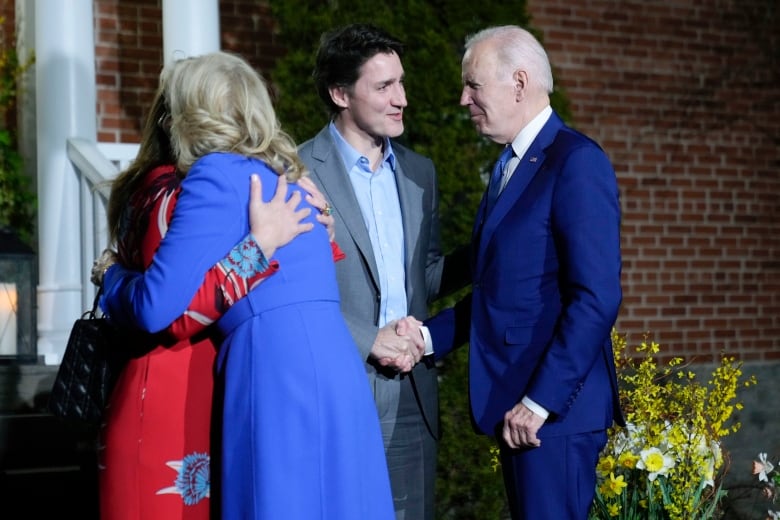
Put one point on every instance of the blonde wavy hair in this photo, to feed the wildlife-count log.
(219, 103)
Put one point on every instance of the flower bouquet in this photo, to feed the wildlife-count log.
(667, 463)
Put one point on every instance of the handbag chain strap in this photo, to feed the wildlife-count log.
(93, 313)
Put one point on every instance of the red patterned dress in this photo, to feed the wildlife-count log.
(155, 443)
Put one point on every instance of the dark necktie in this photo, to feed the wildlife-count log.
(494, 188)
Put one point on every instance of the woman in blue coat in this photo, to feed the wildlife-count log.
(300, 437)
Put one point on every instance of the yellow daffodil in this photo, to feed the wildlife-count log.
(655, 462)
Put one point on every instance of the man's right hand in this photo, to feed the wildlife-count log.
(396, 349)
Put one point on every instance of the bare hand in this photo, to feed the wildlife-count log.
(521, 426)
(106, 259)
(399, 344)
(276, 222)
(403, 363)
(318, 200)
(410, 326)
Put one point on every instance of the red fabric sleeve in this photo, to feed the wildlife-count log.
(338, 254)
(219, 290)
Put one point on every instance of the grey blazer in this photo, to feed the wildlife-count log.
(357, 274)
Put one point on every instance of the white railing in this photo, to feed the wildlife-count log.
(121, 154)
(96, 164)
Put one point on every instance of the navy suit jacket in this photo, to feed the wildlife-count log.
(545, 290)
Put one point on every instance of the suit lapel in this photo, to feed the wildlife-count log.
(331, 175)
(410, 196)
(529, 165)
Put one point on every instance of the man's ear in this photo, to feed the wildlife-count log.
(339, 96)
(520, 80)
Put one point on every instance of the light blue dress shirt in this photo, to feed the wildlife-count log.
(377, 195)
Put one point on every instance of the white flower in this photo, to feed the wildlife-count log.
(762, 468)
(712, 456)
(774, 515)
(655, 462)
(628, 439)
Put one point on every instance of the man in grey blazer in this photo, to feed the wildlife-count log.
(385, 203)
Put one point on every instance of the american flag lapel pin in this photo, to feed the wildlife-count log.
(532, 159)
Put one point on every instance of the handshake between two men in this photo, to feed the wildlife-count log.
(399, 344)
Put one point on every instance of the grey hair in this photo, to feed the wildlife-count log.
(517, 48)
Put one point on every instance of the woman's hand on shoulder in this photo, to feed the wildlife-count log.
(278, 221)
(318, 200)
(101, 264)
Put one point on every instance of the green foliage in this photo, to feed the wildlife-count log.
(17, 201)
(433, 32)
(468, 486)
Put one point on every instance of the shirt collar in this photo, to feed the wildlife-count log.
(523, 140)
(352, 157)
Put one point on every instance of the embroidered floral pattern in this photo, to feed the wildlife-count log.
(193, 480)
(245, 259)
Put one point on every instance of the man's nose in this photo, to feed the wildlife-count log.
(399, 99)
(465, 97)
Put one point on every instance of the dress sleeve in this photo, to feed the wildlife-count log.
(338, 254)
(210, 218)
(224, 283)
(228, 281)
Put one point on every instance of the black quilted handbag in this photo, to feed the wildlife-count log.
(92, 360)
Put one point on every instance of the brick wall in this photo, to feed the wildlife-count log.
(248, 29)
(684, 96)
(128, 57)
(128, 52)
(7, 28)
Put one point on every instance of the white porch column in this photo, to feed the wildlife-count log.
(190, 28)
(65, 101)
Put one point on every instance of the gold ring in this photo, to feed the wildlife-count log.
(327, 210)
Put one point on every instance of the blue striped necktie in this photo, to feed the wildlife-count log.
(494, 188)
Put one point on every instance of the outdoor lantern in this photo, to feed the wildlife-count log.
(17, 299)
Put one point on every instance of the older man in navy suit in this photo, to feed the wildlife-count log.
(545, 284)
